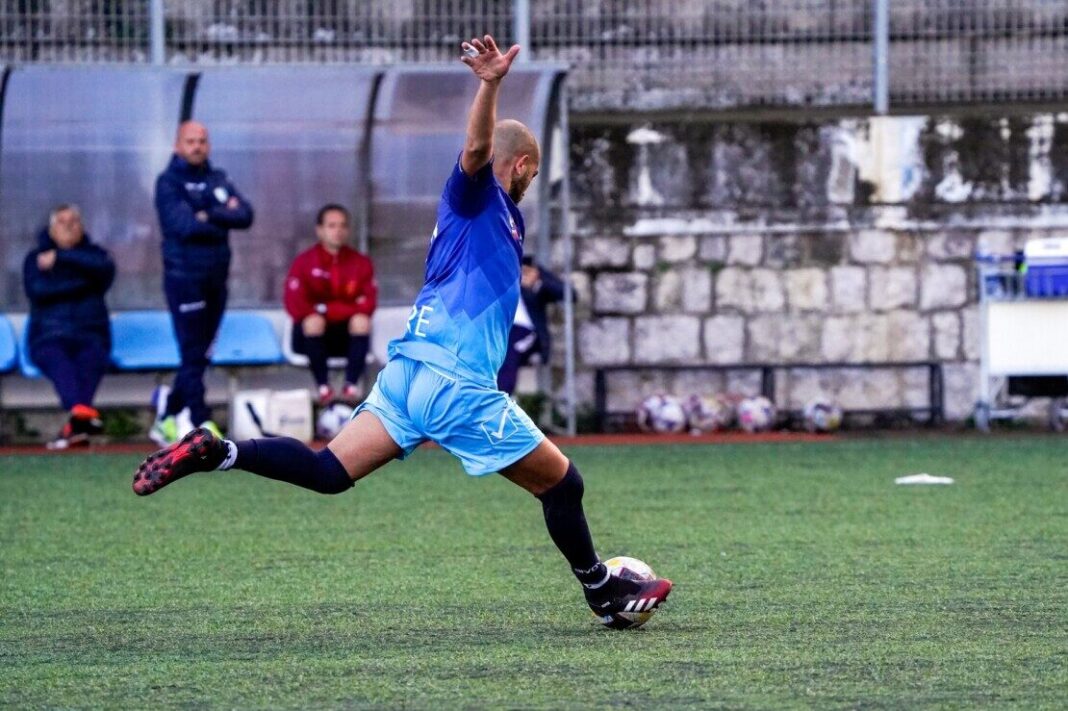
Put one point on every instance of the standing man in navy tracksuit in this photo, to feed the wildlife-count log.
(529, 336)
(197, 206)
(66, 277)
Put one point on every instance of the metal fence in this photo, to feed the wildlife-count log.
(949, 51)
(625, 54)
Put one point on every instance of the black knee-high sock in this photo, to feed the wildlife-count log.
(315, 349)
(289, 460)
(567, 526)
(358, 346)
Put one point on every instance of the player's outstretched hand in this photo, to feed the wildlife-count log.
(486, 60)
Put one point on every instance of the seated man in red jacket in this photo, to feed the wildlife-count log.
(331, 294)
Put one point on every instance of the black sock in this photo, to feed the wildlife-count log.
(567, 526)
(358, 346)
(289, 460)
(315, 349)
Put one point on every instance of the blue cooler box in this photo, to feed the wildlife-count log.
(1047, 267)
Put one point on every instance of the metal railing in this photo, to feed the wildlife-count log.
(949, 51)
(625, 54)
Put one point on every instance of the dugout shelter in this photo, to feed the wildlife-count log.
(381, 140)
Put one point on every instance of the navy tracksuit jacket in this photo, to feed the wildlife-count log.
(69, 333)
(537, 302)
(196, 263)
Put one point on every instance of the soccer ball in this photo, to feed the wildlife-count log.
(707, 414)
(661, 413)
(756, 414)
(822, 415)
(628, 569)
(332, 419)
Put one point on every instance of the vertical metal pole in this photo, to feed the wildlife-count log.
(521, 28)
(565, 235)
(881, 63)
(542, 252)
(155, 32)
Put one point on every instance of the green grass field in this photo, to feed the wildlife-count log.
(804, 577)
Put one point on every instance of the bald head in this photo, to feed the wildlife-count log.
(191, 144)
(512, 139)
(516, 156)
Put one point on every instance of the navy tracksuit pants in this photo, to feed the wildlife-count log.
(522, 345)
(74, 365)
(196, 303)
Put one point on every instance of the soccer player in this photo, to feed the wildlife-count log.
(439, 384)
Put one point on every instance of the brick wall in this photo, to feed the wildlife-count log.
(750, 243)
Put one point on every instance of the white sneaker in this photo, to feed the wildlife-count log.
(159, 400)
(164, 431)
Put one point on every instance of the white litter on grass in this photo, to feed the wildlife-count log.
(923, 479)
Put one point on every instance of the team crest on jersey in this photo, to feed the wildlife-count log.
(515, 230)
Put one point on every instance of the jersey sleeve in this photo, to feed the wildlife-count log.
(466, 194)
(367, 298)
(295, 298)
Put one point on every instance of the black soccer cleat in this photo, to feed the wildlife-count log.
(198, 451)
(617, 601)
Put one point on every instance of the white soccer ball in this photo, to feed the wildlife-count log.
(822, 415)
(332, 419)
(756, 414)
(628, 569)
(661, 413)
(708, 414)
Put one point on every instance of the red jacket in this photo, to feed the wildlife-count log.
(338, 287)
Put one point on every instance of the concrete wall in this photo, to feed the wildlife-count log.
(849, 240)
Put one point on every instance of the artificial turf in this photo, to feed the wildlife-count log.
(804, 578)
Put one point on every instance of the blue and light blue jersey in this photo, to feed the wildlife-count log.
(462, 316)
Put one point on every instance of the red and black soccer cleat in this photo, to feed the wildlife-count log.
(622, 595)
(68, 437)
(86, 421)
(198, 451)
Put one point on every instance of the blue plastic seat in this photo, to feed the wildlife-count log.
(9, 350)
(27, 366)
(246, 338)
(143, 340)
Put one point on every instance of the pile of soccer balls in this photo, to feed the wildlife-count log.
(703, 414)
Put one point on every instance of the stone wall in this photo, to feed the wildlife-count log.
(748, 243)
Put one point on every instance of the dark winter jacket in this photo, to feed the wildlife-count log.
(67, 301)
(191, 246)
(550, 290)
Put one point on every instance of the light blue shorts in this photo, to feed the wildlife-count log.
(481, 427)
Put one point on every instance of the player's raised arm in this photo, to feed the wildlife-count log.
(490, 65)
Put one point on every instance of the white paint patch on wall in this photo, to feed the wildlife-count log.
(888, 156)
(1040, 170)
(644, 192)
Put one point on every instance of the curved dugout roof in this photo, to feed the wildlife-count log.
(96, 137)
(291, 139)
(418, 131)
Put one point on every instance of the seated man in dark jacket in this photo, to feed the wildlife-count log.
(66, 277)
(529, 336)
